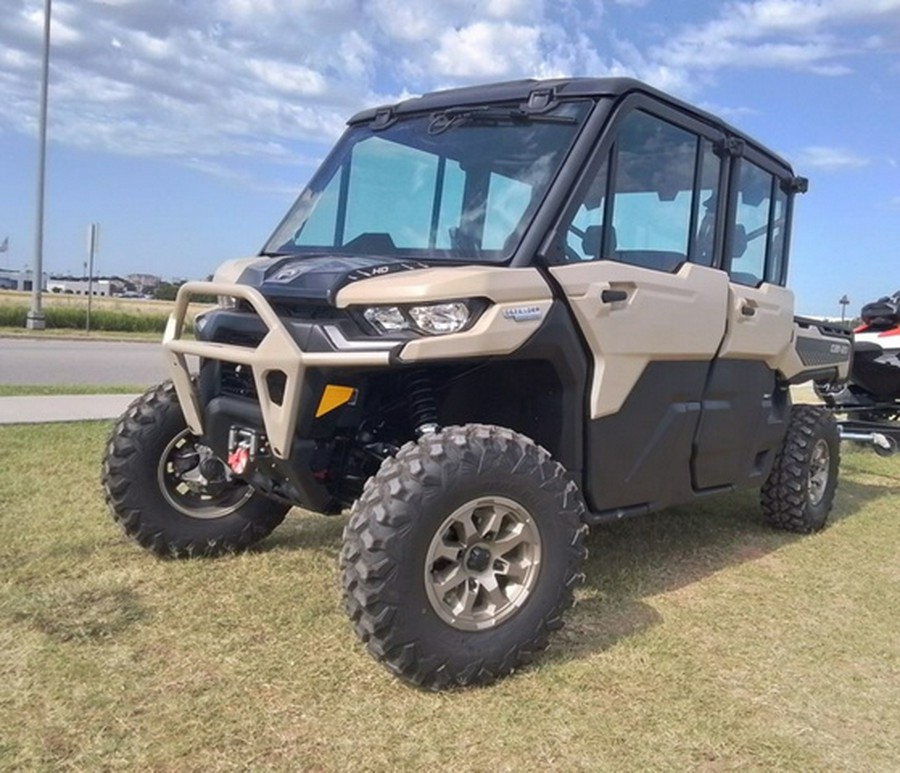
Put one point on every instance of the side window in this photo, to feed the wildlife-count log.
(585, 232)
(706, 205)
(653, 192)
(663, 201)
(775, 269)
(750, 237)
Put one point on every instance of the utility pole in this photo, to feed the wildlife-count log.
(845, 302)
(35, 319)
(93, 247)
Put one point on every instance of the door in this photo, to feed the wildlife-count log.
(636, 254)
(746, 408)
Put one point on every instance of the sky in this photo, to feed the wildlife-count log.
(185, 128)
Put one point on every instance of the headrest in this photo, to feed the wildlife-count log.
(592, 241)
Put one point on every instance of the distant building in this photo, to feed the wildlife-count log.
(19, 280)
(71, 286)
(144, 284)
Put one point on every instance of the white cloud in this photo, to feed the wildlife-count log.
(208, 80)
(487, 50)
(811, 35)
(287, 79)
(60, 31)
(831, 159)
(729, 112)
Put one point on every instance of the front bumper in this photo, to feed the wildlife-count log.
(277, 353)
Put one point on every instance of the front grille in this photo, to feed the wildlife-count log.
(236, 380)
(239, 338)
(306, 311)
(244, 328)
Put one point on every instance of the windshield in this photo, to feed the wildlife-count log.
(455, 185)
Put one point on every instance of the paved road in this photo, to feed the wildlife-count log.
(57, 361)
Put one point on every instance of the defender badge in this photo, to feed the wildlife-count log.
(523, 313)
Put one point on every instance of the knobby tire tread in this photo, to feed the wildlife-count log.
(785, 496)
(128, 504)
(371, 551)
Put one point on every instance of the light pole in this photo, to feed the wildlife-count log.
(35, 318)
(844, 301)
(93, 243)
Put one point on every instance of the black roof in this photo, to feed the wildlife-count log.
(567, 88)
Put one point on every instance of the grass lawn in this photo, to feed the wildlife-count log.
(98, 303)
(702, 641)
(111, 318)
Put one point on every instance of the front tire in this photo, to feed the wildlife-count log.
(461, 556)
(799, 492)
(170, 493)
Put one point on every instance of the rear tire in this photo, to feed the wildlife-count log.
(156, 490)
(461, 556)
(799, 492)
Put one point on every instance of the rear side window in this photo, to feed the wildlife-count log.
(776, 266)
(757, 242)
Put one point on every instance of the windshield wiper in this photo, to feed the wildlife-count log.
(489, 116)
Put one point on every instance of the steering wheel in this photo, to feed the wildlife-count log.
(572, 255)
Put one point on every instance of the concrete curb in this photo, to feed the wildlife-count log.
(42, 409)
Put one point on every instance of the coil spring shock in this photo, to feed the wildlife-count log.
(423, 406)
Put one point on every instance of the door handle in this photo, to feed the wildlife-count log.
(613, 296)
(748, 311)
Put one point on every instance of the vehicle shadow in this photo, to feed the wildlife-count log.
(636, 559)
(303, 530)
(632, 560)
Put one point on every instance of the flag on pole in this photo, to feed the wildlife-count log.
(4, 245)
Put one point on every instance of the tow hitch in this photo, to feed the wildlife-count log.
(884, 437)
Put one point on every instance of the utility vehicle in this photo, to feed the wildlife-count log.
(495, 316)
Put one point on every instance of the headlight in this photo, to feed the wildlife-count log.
(431, 319)
(387, 319)
(440, 318)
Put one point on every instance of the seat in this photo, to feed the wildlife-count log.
(592, 242)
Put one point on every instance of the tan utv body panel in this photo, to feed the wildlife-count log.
(665, 317)
(500, 330)
(498, 283)
(761, 326)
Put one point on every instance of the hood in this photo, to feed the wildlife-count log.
(318, 277)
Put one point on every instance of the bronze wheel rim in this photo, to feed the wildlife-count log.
(819, 471)
(483, 563)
